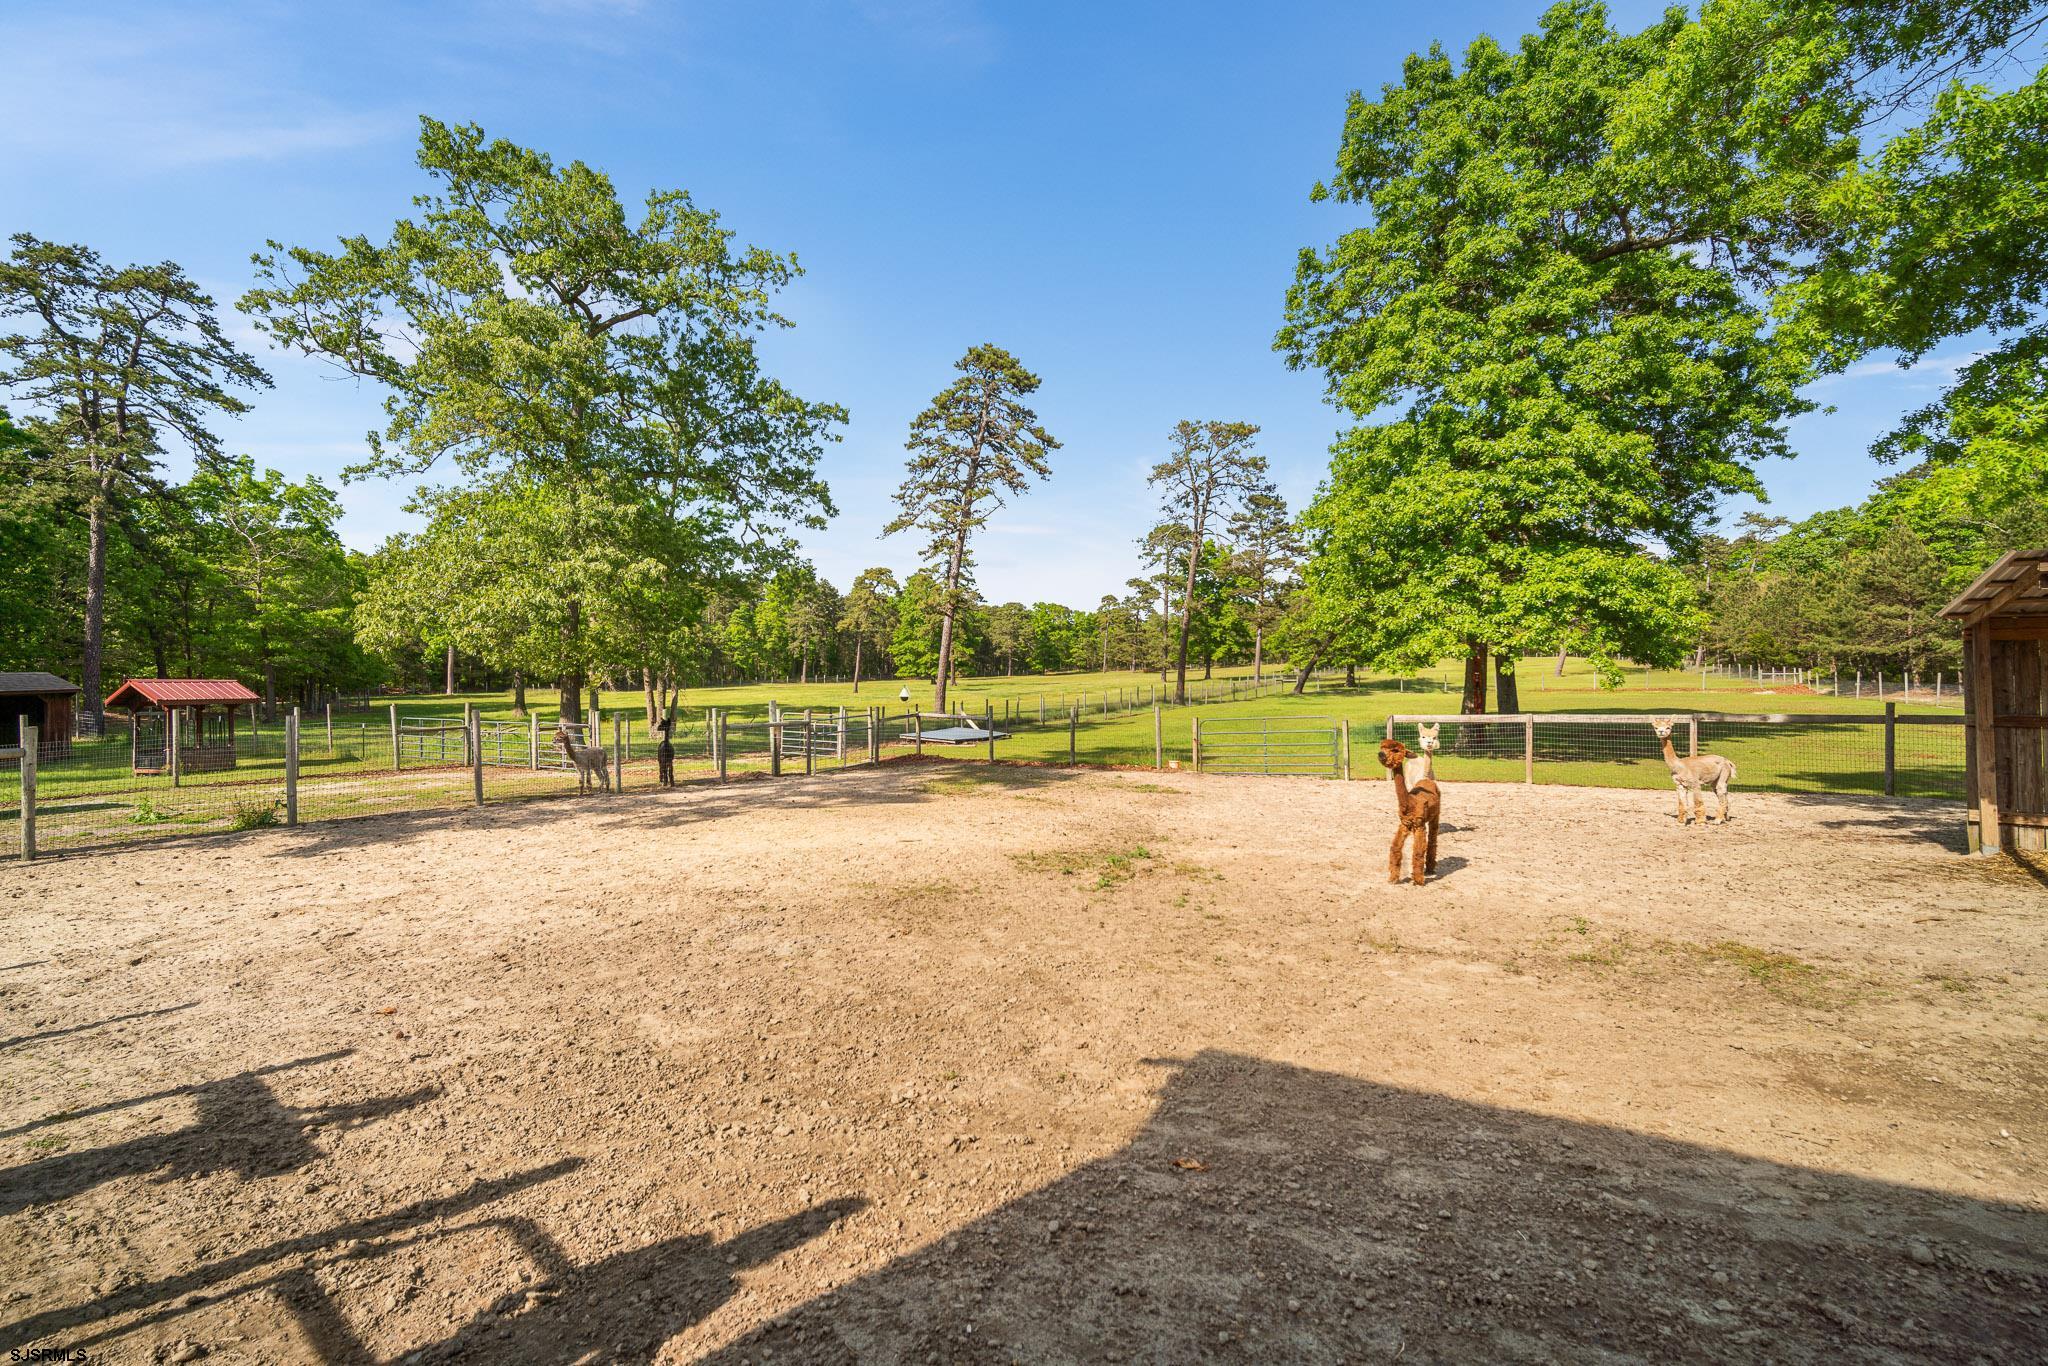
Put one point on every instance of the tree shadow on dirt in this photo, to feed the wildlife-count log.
(1895, 817)
(1268, 1212)
(22, 1040)
(241, 1128)
(648, 811)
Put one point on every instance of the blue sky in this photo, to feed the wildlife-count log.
(1115, 192)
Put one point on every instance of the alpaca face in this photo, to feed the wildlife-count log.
(1425, 737)
(1393, 753)
(1663, 729)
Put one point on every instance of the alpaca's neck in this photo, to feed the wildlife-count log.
(1670, 754)
(1400, 786)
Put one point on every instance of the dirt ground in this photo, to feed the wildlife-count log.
(949, 1063)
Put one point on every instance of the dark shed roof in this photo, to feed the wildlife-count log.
(33, 684)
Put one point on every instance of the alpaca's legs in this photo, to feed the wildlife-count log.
(1430, 864)
(1415, 863)
(1683, 814)
(1721, 794)
(1394, 856)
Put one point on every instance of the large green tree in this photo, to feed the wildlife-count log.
(523, 325)
(112, 362)
(1552, 352)
(977, 444)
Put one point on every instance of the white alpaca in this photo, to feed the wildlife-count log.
(1422, 765)
(589, 760)
(1693, 776)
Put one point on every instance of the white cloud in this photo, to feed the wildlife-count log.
(1929, 372)
(161, 95)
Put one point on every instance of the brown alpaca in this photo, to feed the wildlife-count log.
(1419, 808)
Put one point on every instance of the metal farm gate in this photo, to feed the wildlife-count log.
(1307, 746)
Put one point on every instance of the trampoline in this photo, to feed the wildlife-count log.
(961, 735)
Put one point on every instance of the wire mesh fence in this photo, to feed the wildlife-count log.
(1874, 754)
(131, 784)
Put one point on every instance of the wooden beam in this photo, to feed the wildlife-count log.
(1977, 643)
(2025, 582)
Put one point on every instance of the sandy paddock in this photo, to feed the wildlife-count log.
(940, 1063)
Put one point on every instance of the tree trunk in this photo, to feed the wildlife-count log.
(1187, 612)
(518, 693)
(857, 643)
(803, 665)
(1507, 694)
(269, 682)
(448, 674)
(1560, 662)
(647, 690)
(570, 681)
(1351, 675)
(1315, 657)
(95, 610)
(1473, 703)
(1258, 655)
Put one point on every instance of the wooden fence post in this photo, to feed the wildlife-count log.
(330, 730)
(917, 732)
(1158, 739)
(810, 745)
(1195, 747)
(31, 742)
(291, 768)
(1529, 749)
(1345, 741)
(533, 741)
(171, 738)
(1692, 736)
(719, 741)
(774, 742)
(1891, 723)
(620, 729)
(394, 737)
(476, 755)
(1073, 725)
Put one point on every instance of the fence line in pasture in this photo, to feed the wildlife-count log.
(104, 790)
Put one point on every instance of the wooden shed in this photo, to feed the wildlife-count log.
(40, 700)
(198, 712)
(2004, 616)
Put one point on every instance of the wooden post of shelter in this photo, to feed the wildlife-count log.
(2004, 621)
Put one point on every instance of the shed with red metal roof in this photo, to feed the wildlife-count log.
(181, 725)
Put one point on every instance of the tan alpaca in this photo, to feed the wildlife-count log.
(1424, 765)
(1693, 776)
(589, 760)
(1418, 809)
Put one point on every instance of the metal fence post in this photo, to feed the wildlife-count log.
(1158, 739)
(1529, 749)
(1891, 730)
(31, 742)
(394, 737)
(291, 768)
(476, 756)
